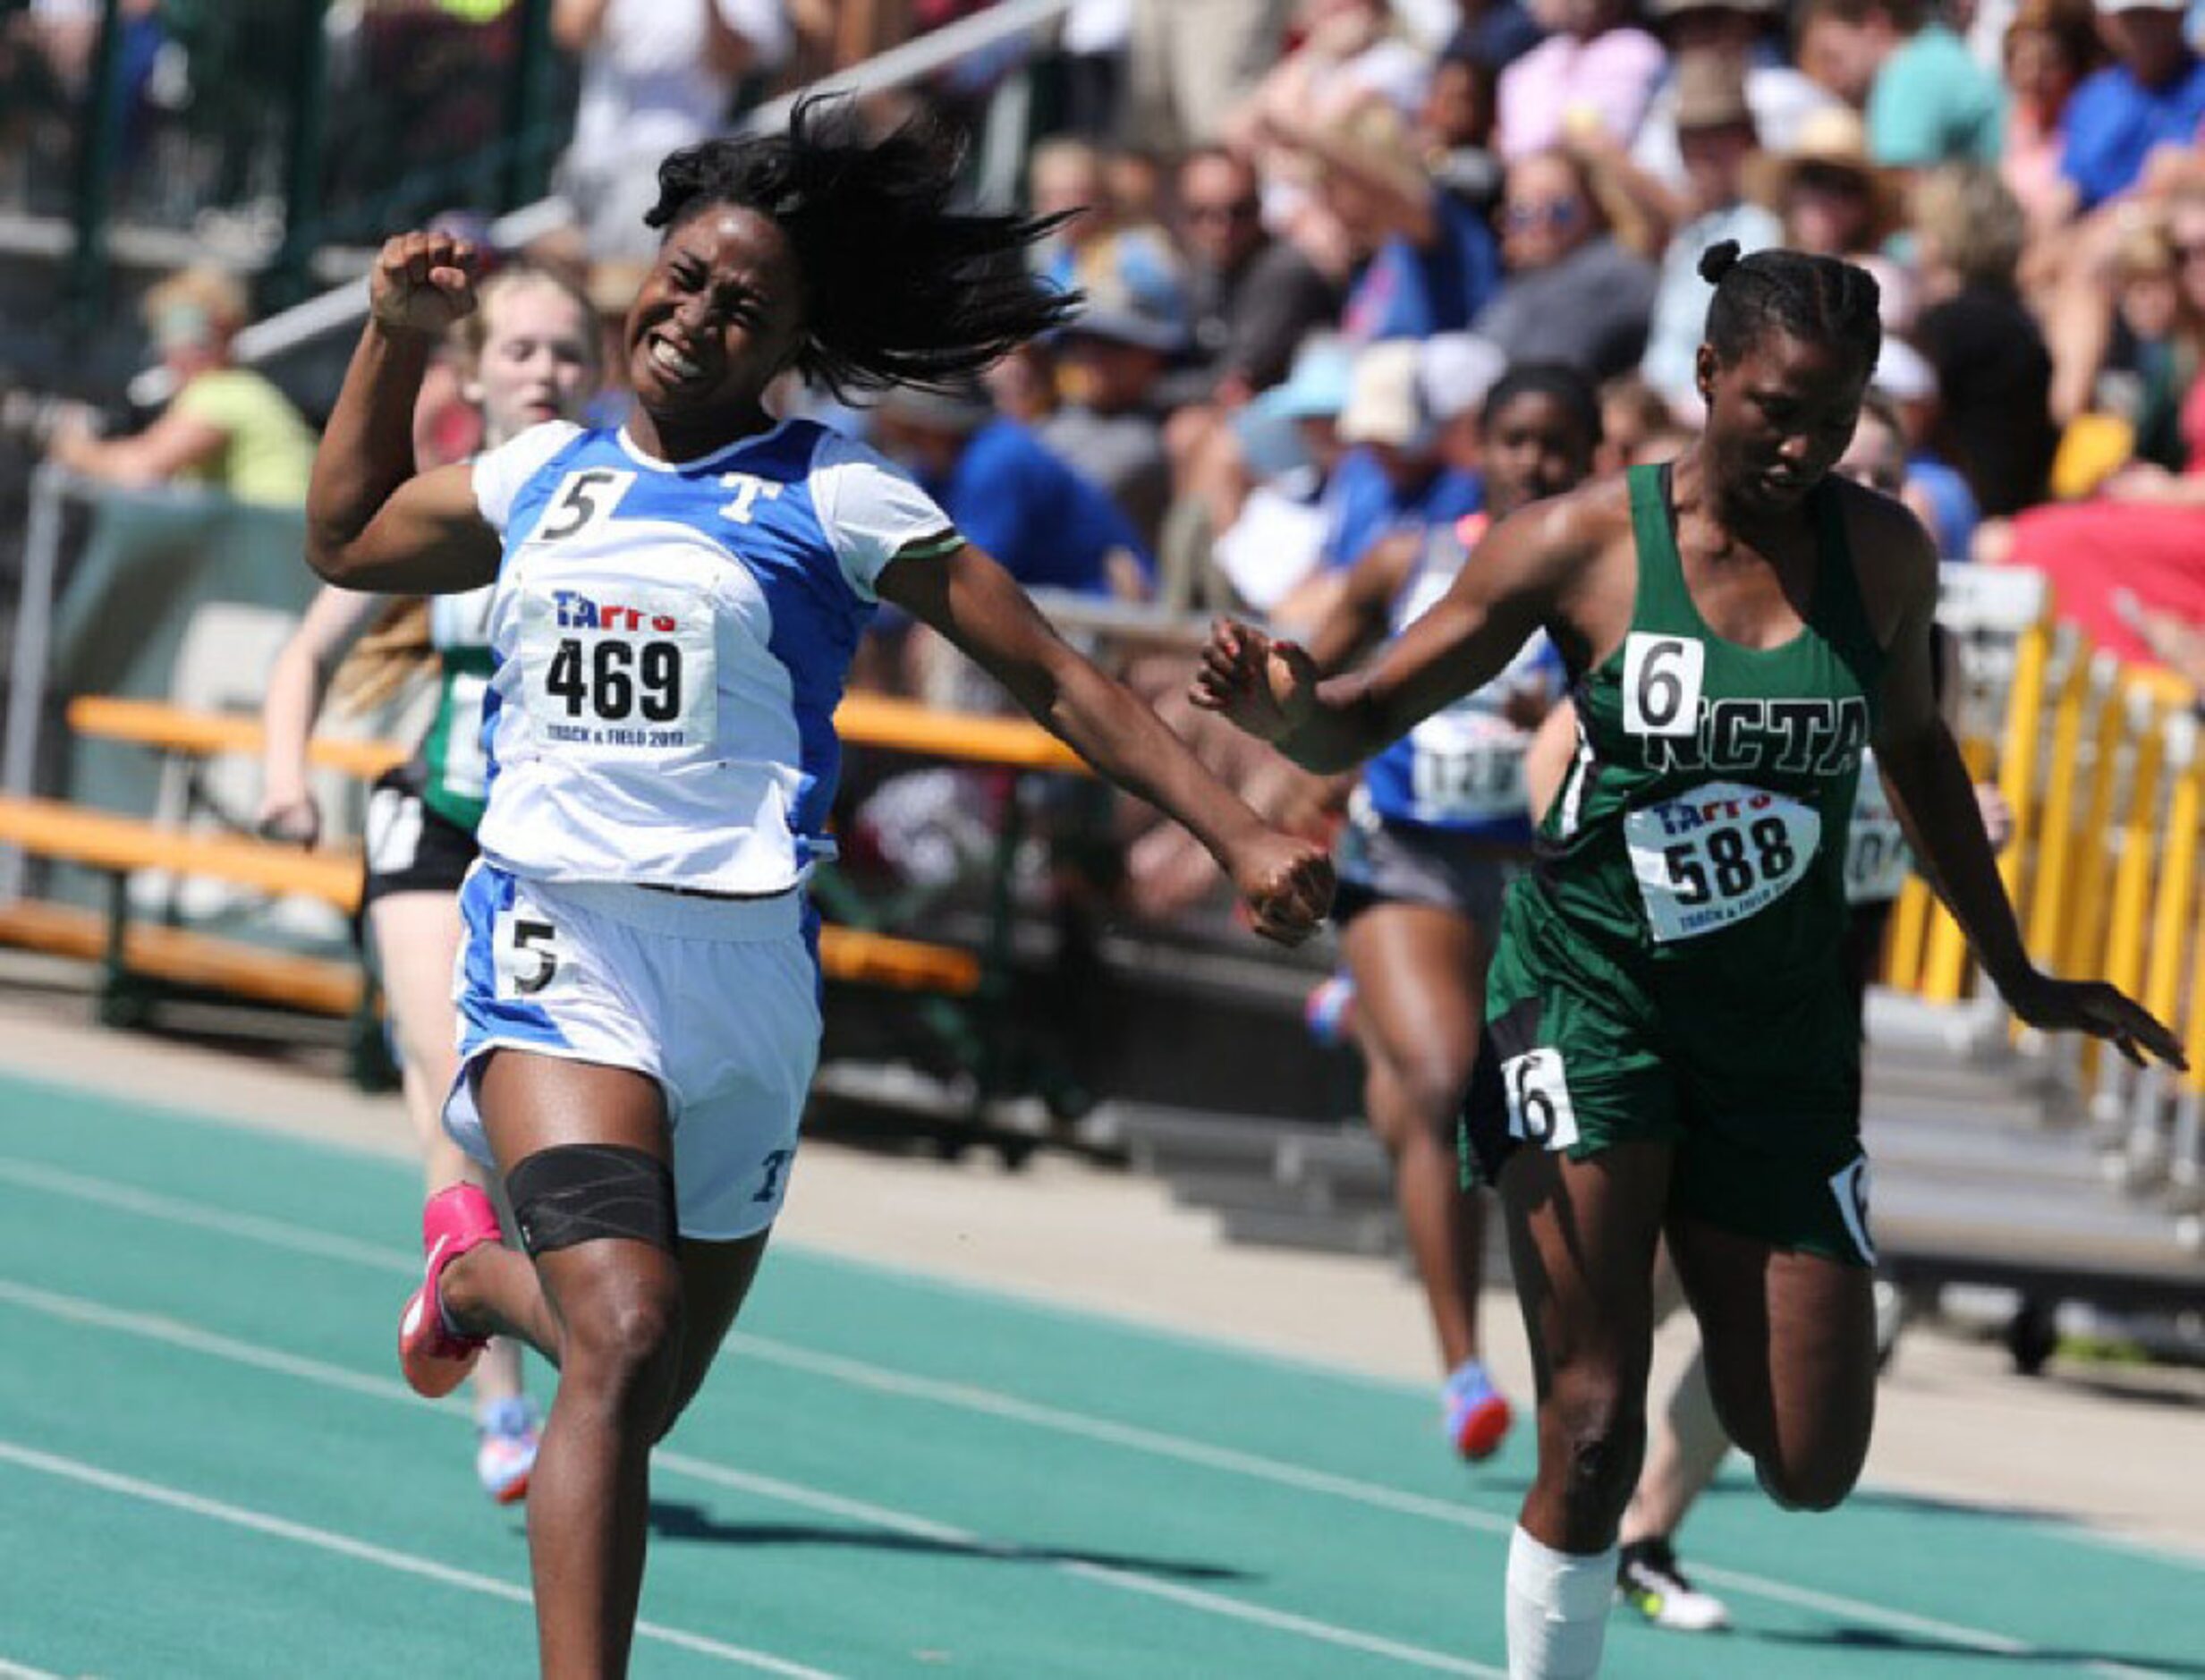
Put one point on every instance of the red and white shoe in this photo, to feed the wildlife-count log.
(435, 1358)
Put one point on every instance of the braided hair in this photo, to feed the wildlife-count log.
(899, 288)
(1817, 298)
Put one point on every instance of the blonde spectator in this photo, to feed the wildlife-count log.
(227, 426)
(1994, 373)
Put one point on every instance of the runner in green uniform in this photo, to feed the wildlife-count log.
(1671, 1044)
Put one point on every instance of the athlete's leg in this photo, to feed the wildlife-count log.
(416, 937)
(1420, 994)
(716, 1279)
(1791, 1348)
(1685, 1443)
(1582, 1236)
(610, 1308)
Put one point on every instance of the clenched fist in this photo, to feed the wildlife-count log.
(422, 283)
(1286, 883)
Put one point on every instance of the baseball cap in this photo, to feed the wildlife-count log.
(1710, 90)
(1385, 398)
(1902, 373)
(1134, 296)
(1455, 371)
(1316, 387)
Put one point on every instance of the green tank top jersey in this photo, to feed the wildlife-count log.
(454, 785)
(454, 772)
(1700, 834)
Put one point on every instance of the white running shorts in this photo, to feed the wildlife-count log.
(716, 999)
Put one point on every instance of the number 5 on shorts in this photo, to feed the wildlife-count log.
(526, 955)
(1538, 1100)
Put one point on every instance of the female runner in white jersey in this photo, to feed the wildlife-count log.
(527, 355)
(677, 604)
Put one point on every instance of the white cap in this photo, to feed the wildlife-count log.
(1385, 401)
(1902, 373)
(1456, 370)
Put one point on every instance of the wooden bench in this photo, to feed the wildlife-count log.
(120, 845)
(949, 976)
(858, 955)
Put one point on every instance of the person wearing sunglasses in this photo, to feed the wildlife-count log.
(1572, 294)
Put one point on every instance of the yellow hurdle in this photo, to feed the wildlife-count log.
(2131, 873)
(2084, 928)
(2049, 896)
(2171, 916)
(1910, 926)
(2017, 754)
(1945, 962)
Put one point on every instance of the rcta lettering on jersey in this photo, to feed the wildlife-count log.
(1821, 736)
(579, 612)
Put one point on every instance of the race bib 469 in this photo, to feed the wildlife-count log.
(1713, 857)
(626, 677)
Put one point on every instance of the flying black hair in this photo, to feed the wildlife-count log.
(1556, 380)
(899, 289)
(1819, 298)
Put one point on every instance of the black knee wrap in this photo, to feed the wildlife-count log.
(579, 1191)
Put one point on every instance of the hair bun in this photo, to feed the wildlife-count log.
(1718, 260)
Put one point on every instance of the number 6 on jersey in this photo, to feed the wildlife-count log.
(1662, 677)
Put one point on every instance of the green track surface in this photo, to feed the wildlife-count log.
(210, 1467)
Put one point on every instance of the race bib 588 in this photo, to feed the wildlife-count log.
(1713, 857)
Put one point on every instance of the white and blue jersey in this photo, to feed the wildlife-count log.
(671, 643)
(1462, 768)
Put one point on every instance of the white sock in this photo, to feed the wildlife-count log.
(1557, 1610)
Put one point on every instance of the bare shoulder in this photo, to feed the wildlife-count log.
(1553, 541)
(1894, 559)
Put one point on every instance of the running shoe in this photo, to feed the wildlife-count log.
(1477, 1416)
(1329, 1011)
(435, 1358)
(506, 1437)
(1648, 1580)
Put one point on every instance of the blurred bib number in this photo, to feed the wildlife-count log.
(626, 674)
(1711, 858)
(1468, 768)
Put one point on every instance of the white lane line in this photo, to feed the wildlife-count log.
(1012, 1409)
(77, 1470)
(298, 1239)
(1105, 1574)
(964, 1396)
(181, 1334)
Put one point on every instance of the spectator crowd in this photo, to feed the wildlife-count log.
(1312, 235)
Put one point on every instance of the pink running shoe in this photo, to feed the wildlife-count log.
(1477, 1416)
(435, 1359)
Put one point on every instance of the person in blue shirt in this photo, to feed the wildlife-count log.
(1392, 475)
(1437, 826)
(1045, 525)
(676, 606)
(2152, 97)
